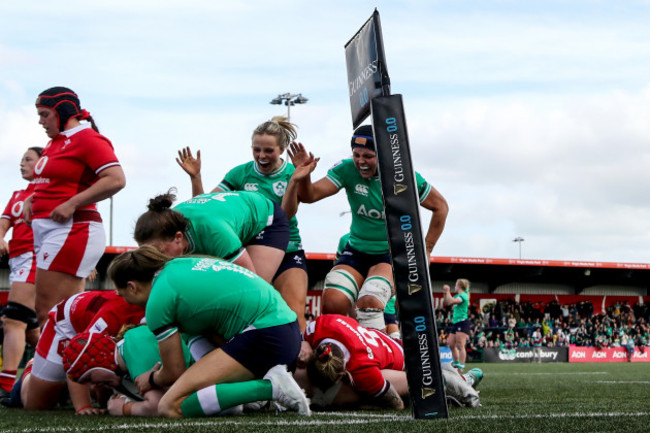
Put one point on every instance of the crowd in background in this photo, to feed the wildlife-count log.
(507, 324)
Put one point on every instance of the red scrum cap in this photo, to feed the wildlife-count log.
(88, 351)
(64, 102)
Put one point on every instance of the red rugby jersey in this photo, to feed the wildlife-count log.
(70, 163)
(22, 238)
(367, 351)
(102, 311)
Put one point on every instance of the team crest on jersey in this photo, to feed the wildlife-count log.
(251, 186)
(361, 189)
(280, 187)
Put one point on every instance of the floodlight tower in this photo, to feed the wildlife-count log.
(289, 99)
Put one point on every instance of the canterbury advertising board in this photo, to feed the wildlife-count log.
(527, 354)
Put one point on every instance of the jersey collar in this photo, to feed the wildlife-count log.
(273, 173)
(70, 132)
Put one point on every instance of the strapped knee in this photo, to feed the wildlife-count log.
(344, 282)
(377, 287)
(21, 313)
(371, 318)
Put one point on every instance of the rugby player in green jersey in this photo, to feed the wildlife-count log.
(269, 175)
(363, 273)
(242, 227)
(461, 325)
(257, 334)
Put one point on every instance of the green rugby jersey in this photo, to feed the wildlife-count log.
(368, 228)
(248, 177)
(139, 350)
(460, 310)
(223, 223)
(208, 296)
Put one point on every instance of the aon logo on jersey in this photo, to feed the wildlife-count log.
(371, 213)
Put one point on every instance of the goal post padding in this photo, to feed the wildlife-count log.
(410, 261)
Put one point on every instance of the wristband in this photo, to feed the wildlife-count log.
(84, 408)
(126, 408)
(151, 382)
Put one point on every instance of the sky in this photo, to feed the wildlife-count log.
(531, 118)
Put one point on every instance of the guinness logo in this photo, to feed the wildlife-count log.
(414, 288)
(399, 188)
(427, 392)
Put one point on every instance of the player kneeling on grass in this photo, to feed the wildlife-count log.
(257, 333)
(353, 366)
(99, 361)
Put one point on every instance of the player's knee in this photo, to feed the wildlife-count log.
(378, 288)
(371, 318)
(334, 302)
(21, 313)
(340, 291)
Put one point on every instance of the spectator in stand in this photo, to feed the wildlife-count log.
(20, 322)
(537, 344)
(565, 312)
(512, 322)
(77, 169)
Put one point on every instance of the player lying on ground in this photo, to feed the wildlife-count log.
(97, 360)
(93, 311)
(353, 367)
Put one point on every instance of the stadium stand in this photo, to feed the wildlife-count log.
(599, 304)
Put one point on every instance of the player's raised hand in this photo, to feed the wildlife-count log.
(187, 161)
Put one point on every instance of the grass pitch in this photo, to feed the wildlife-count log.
(516, 398)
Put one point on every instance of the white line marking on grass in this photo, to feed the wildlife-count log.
(362, 419)
(643, 382)
(550, 374)
(557, 415)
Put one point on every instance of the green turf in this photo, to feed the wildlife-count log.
(516, 398)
